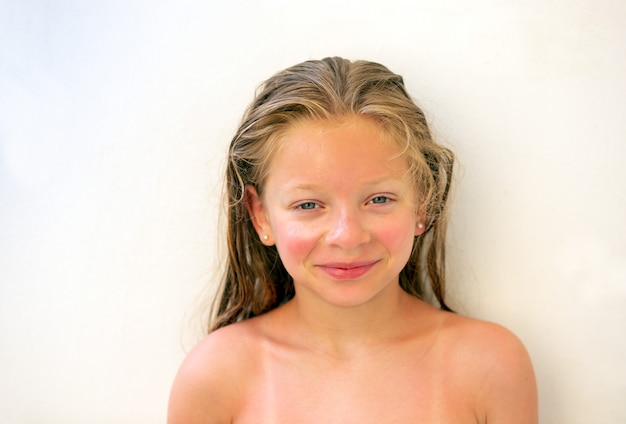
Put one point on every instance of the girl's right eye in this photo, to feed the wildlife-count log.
(307, 205)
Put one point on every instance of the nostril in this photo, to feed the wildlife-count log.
(347, 232)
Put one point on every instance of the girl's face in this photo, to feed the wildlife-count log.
(341, 208)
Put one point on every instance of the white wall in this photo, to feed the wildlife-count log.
(114, 119)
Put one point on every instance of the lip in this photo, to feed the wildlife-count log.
(347, 271)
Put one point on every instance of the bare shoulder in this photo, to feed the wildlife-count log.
(209, 385)
(502, 373)
(482, 336)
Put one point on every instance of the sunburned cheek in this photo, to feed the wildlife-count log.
(295, 241)
(397, 237)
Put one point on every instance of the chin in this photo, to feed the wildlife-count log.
(351, 294)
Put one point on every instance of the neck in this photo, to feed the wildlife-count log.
(344, 332)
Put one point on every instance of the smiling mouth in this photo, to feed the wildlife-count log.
(342, 271)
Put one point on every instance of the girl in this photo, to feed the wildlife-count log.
(336, 229)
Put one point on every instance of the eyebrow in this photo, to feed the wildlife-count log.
(374, 182)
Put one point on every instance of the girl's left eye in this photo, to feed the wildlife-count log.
(380, 199)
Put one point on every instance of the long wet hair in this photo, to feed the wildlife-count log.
(255, 280)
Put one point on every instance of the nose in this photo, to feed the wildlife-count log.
(347, 230)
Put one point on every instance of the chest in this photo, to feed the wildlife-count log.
(378, 389)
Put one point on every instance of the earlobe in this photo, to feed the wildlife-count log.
(419, 228)
(420, 219)
(258, 215)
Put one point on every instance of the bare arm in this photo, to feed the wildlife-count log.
(204, 391)
(509, 392)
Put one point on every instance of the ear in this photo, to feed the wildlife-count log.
(420, 227)
(258, 216)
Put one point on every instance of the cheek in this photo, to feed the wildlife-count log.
(294, 241)
(398, 235)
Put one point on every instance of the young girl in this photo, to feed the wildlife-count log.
(336, 230)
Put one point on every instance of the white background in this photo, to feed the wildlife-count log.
(114, 122)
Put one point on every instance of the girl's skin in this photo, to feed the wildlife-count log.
(351, 346)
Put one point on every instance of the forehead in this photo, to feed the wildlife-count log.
(346, 131)
(347, 148)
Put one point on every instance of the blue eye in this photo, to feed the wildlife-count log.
(307, 205)
(380, 199)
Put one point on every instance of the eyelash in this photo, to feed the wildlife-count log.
(303, 206)
(376, 200)
(384, 198)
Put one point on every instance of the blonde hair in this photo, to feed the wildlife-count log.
(255, 281)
